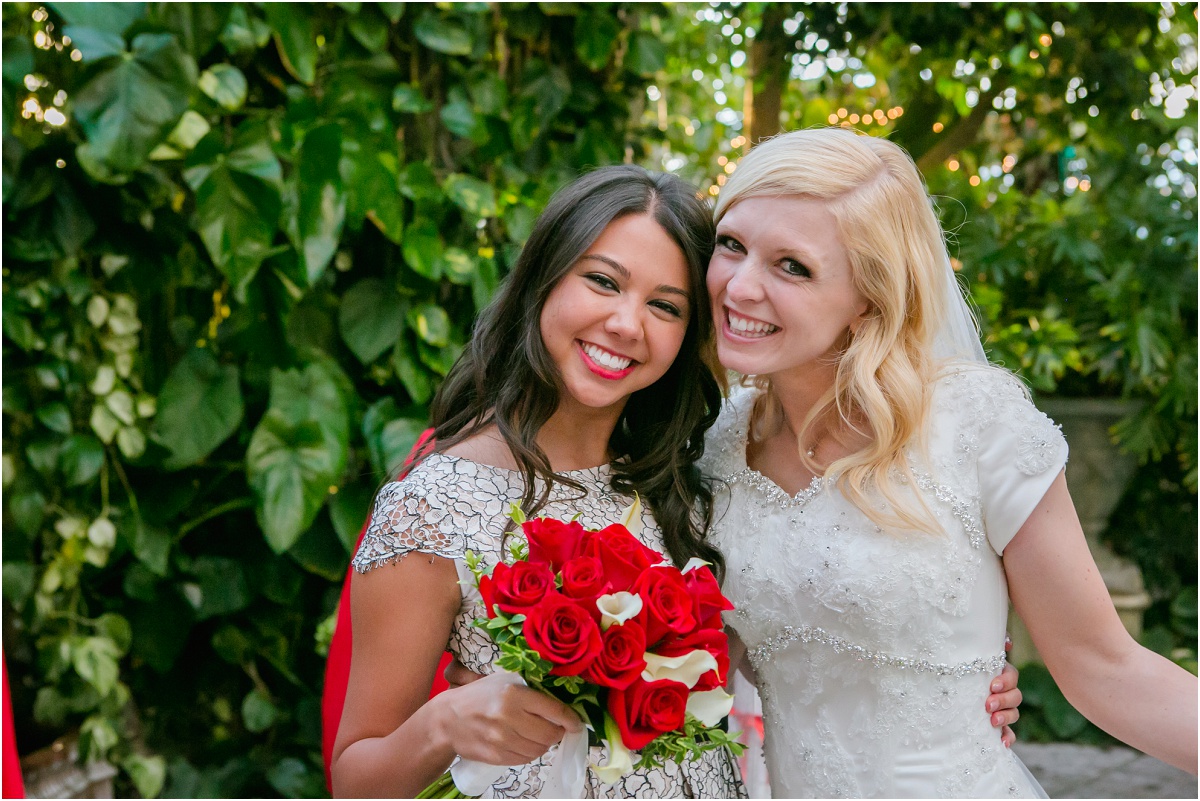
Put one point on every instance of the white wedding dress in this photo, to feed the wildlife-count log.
(874, 651)
(448, 505)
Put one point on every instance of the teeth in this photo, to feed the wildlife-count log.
(746, 326)
(604, 358)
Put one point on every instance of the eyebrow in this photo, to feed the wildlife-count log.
(797, 252)
(620, 269)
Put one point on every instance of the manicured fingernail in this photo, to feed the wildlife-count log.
(992, 706)
(996, 686)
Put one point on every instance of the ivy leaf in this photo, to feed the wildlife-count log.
(390, 437)
(258, 713)
(147, 772)
(458, 265)
(370, 318)
(198, 26)
(443, 34)
(431, 323)
(471, 195)
(81, 458)
(416, 380)
(128, 108)
(596, 33)
(56, 417)
(199, 407)
(223, 586)
(94, 44)
(408, 99)
(317, 200)
(114, 18)
(237, 201)
(297, 452)
(647, 54)
(296, 39)
(95, 660)
(152, 547)
(348, 509)
(370, 29)
(460, 119)
(225, 84)
(422, 248)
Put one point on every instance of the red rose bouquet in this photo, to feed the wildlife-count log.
(605, 624)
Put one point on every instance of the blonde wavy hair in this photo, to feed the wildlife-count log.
(884, 378)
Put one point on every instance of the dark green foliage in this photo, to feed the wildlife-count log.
(241, 250)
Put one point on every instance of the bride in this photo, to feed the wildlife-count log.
(888, 491)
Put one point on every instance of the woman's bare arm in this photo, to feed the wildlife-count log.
(1129, 691)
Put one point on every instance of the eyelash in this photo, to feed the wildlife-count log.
(728, 242)
(607, 283)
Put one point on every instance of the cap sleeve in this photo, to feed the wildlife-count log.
(1021, 452)
(409, 516)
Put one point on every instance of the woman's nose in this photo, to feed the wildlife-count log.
(625, 320)
(745, 283)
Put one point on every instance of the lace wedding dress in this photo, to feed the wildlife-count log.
(874, 651)
(449, 505)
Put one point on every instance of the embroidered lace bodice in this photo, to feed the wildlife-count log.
(449, 505)
(874, 651)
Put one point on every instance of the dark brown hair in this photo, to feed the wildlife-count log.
(506, 377)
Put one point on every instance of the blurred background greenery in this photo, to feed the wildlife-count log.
(243, 243)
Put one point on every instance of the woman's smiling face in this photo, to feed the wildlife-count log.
(781, 285)
(615, 322)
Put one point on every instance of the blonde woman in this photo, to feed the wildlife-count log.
(888, 491)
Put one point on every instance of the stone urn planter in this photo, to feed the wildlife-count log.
(1097, 475)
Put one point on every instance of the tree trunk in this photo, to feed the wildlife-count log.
(769, 68)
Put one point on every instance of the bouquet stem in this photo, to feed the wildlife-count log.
(442, 787)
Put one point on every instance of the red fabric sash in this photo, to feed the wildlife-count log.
(337, 667)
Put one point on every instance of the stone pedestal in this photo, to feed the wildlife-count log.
(1097, 474)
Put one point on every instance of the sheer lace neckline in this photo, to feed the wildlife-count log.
(599, 471)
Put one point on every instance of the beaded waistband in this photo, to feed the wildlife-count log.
(791, 634)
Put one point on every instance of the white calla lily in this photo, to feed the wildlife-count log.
(620, 759)
(631, 517)
(686, 669)
(710, 706)
(618, 607)
(694, 563)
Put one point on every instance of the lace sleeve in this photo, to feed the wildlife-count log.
(409, 516)
(1021, 452)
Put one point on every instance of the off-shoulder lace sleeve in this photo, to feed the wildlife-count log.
(1021, 452)
(409, 516)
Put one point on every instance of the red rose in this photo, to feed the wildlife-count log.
(516, 587)
(622, 658)
(647, 709)
(583, 580)
(624, 557)
(707, 597)
(666, 604)
(715, 641)
(552, 541)
(563, 633)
